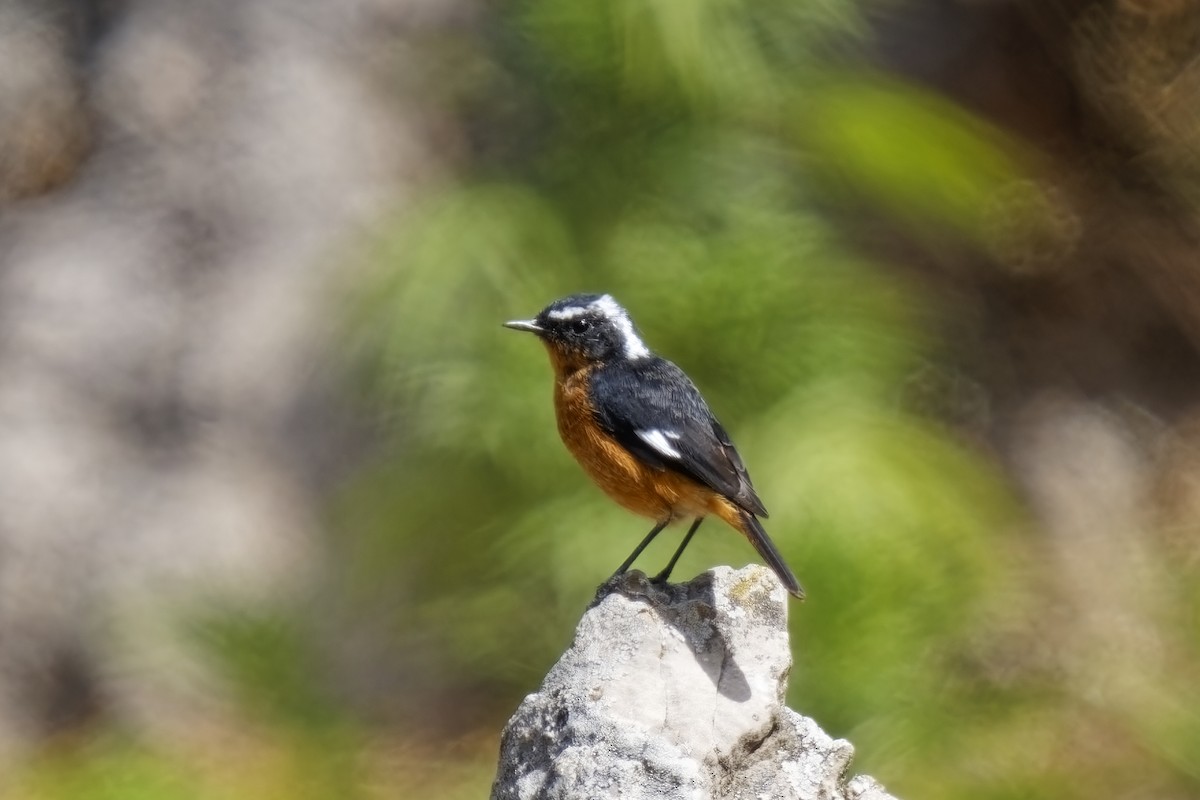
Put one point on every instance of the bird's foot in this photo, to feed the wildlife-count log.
(662, 578)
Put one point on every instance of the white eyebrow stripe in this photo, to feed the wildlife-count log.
(632, 345)
(570, 312)
(609, 307)
(659, 440)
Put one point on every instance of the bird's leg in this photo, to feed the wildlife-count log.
(666, 573)
(637, 551)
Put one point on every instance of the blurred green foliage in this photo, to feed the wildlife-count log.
(263, 764)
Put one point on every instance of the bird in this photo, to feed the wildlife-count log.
(642, 431)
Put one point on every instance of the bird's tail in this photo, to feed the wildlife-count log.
(766, 548)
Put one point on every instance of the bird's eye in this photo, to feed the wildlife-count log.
(581, 325)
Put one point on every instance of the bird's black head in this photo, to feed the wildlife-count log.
(588, 327)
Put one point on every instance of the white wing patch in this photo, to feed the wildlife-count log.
(661, 441)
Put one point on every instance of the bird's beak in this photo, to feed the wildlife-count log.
(523, 325)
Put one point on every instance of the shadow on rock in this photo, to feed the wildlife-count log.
(689, 609)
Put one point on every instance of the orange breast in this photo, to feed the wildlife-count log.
(654, 493)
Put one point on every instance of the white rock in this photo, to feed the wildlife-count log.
(675, 692)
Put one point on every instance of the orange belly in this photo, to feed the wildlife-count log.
(656, 493)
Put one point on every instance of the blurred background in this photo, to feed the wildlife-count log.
(283, 512)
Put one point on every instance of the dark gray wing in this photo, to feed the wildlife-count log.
(655, 411)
